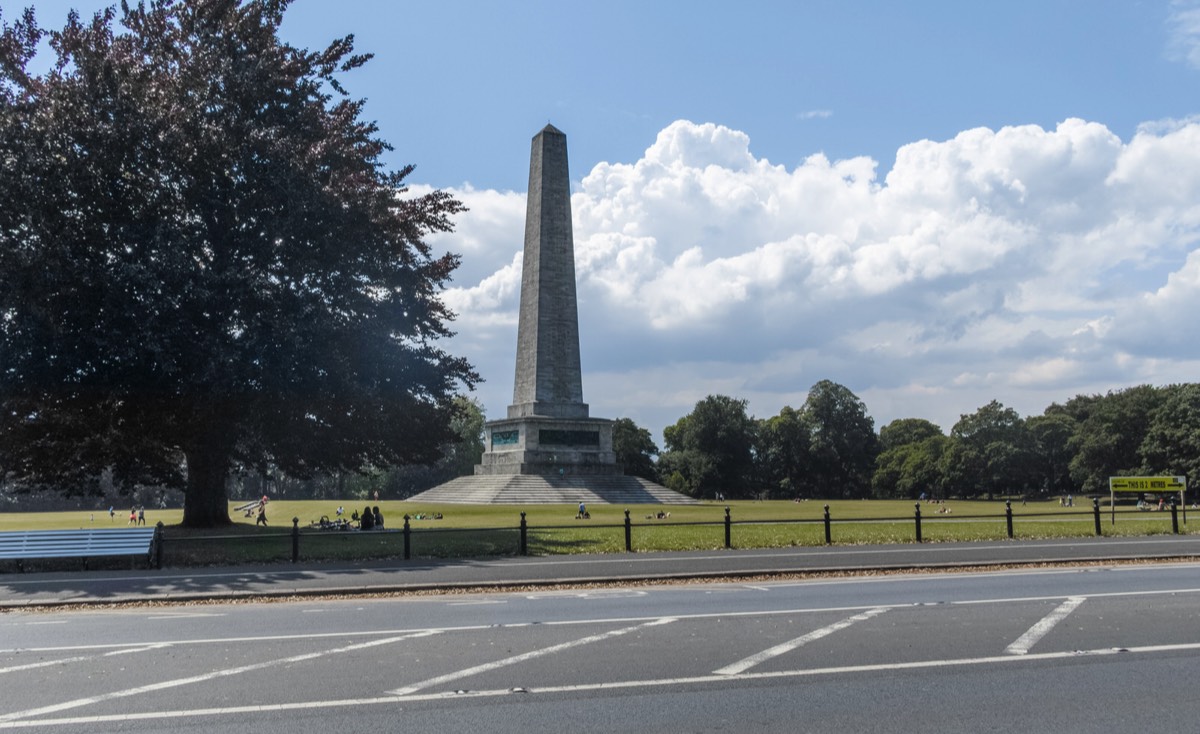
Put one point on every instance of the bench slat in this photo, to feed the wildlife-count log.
(83, 543)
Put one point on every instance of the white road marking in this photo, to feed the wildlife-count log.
(1022, 644)
(745, 664)
(77, 659)
(1097, 595)
(601, 594)
(55, 708)
(608, 685)
(258, 638)
(604, 620)
(575, 621)
(532, 654)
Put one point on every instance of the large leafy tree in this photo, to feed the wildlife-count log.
(911, 461)
(1108, 440)
(203, 263)
(1172, 443)
(1051, 436)
(990, 451)
(783, 453)
(713, 447)
(842, 440)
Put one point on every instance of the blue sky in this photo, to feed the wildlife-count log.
(935, 204)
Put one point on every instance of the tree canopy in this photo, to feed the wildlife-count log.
(842, 443)
(784, 441)
(712, 448)
(634, 448)
(990, 452)
(204, 264)
(1107, 440)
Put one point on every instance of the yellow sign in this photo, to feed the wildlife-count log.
(1147, 484)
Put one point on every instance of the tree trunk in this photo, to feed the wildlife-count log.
(206, 500)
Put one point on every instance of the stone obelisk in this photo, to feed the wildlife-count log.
(548, 450)
(549, 381)
(548, 431)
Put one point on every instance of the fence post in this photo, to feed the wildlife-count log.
(1096, 513)
(628, 533)
(295, 539)
(1008, 517)
(728, 522)
(828, 535)
(917, 517)
(524, 549)
(407, 539)
(158, 545)
(1174, 518)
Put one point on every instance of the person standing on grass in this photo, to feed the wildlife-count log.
(262, 515)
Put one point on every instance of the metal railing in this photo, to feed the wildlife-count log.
(317, 544)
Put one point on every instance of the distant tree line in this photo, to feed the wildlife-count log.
(829, 447)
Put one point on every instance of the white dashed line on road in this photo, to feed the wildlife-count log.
(523, 657)
(773, 652)
(1042, 628)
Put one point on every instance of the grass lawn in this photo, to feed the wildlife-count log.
(485, 530)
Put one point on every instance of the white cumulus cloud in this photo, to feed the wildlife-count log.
(1022, 264)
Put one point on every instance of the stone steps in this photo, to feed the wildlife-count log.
(530, 489)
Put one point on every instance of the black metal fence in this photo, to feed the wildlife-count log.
(349, 543)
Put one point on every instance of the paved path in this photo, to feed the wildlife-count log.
(173, 584)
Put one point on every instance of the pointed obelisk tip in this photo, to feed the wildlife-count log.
(551, 129)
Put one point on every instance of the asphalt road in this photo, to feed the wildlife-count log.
(18, 590)
(1101, 648)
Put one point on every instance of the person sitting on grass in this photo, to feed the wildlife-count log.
(367, 521)
(378, 518)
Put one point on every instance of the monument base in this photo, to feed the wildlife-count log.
(549, 446)
(545, 460)
(539, 489)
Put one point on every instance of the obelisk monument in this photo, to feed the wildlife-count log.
(547, 449)
(549, 381)
(548, 430)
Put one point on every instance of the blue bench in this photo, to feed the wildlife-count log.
(24, 545)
